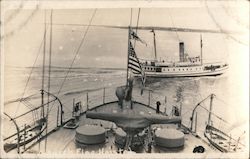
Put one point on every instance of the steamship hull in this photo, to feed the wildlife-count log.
(189, 71)
(185, 67)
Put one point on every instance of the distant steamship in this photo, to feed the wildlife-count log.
(185, 67)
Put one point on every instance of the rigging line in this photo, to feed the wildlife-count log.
(230, 13)
(131, 16)
(17, 100)
(30, 96)
(204, 107)
(171, 18)
(138, 18)
(53, 106)
(26, 104)
(221, 100)
(19, 27)
(15, 13)
(35, 113)
(77, 51)
(50, 52)
(32, 68)
(227, 34)
(44, 57)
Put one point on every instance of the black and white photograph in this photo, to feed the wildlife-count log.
(124, 79)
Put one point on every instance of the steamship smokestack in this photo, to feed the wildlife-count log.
(181, 51)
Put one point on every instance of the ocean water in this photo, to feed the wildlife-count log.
(186, 92)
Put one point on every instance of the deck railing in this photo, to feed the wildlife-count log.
(105, 95)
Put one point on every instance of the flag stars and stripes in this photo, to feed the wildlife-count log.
(134, 63)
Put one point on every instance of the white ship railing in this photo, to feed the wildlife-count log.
(107, 95)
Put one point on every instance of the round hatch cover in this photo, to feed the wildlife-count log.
(170, 138)
(90, 134)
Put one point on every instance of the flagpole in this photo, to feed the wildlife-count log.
(128, 53)
(201, 49)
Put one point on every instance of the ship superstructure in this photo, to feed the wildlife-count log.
(185, 67)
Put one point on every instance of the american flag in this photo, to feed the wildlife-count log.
(134, 63)
(136, 37)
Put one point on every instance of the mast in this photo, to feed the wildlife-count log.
(128, 52)
(201, 49)
(44, 53)
(129, 27)
(210, 109)
(50, 52)
(154, 44)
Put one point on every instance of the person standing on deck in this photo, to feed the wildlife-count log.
(158, 107)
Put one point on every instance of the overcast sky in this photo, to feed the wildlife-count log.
(107, 47)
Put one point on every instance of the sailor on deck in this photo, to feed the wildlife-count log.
(158, 103)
